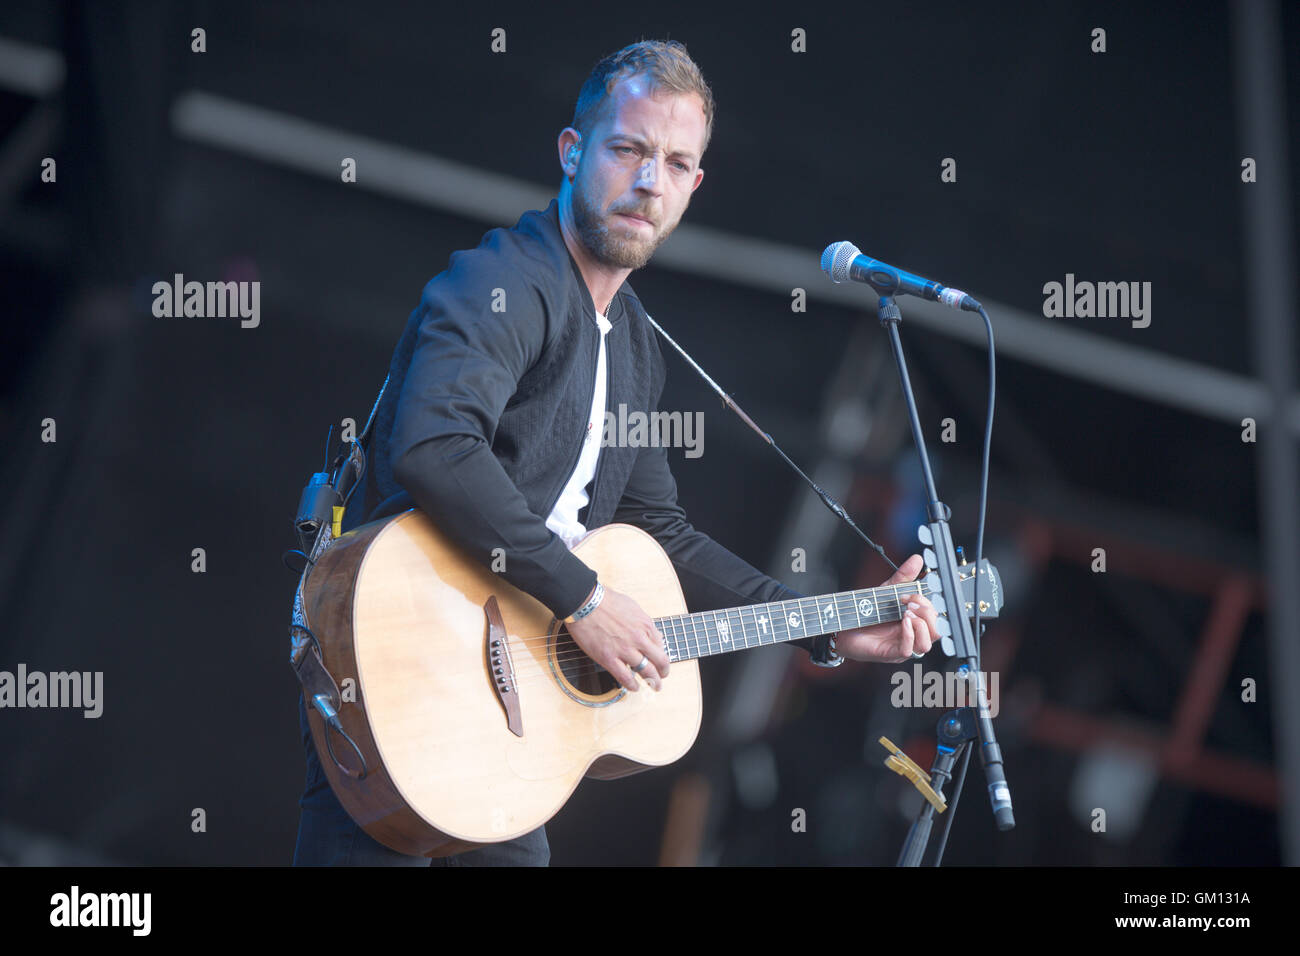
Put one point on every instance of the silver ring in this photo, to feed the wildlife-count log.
(916, 655)
(642, 666)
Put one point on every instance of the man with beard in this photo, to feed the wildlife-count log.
(495, 407)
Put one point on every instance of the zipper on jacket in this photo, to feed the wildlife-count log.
(602, 454)
(577, 454)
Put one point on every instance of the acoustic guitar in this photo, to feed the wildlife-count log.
(460, 712)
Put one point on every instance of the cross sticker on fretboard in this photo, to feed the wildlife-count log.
(762, 624)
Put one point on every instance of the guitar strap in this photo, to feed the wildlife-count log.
(365, 432)
(322, 496)
(306, 663)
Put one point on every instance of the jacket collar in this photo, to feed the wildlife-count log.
(617, 306)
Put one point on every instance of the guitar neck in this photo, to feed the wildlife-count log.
(706, 633)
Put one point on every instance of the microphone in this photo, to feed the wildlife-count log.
(843, 261)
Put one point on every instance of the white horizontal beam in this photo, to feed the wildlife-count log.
(448, 186)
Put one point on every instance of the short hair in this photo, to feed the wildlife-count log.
(665, 63)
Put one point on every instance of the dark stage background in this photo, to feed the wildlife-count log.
(1119, 689)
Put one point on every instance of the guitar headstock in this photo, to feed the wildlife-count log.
(982, 584)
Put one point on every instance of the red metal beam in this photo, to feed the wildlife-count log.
(1235, 777)
(1204, 684)
(1180, 755)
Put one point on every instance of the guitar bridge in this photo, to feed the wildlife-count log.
(501, 668)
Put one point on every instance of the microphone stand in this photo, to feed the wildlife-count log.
(958, 728)
(955, 731)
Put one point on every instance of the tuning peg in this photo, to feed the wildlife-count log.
(923, 533)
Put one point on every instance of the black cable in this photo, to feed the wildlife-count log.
(952, 807)
(329, 745)
(960, 779)
(298, 571)
(334, 722)
(984, 473)
(361, 475)
(835, 507)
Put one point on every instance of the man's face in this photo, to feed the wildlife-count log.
(638, 168)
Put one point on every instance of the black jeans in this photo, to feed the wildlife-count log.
(328, 836)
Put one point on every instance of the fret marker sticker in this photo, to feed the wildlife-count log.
(828, 612)
(794, 620)
(864, 607)
(762, 623)
(723, 628)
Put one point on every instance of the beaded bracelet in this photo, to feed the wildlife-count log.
(590, 606)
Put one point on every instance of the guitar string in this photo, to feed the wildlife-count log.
(531, 668)
(688, 637)
(685, 638)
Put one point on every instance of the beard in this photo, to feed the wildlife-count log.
(614, 246)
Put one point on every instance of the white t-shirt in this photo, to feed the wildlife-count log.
(563, 519)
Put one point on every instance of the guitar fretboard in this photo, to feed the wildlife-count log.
(705, 633)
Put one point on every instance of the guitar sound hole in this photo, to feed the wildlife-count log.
(584, 674)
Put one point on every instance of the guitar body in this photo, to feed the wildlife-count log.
(400, 610)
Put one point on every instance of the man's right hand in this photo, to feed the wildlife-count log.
(616, 635)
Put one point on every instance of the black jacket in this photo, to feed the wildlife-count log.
(486, 410)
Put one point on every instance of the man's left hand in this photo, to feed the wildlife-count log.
(896, 641)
